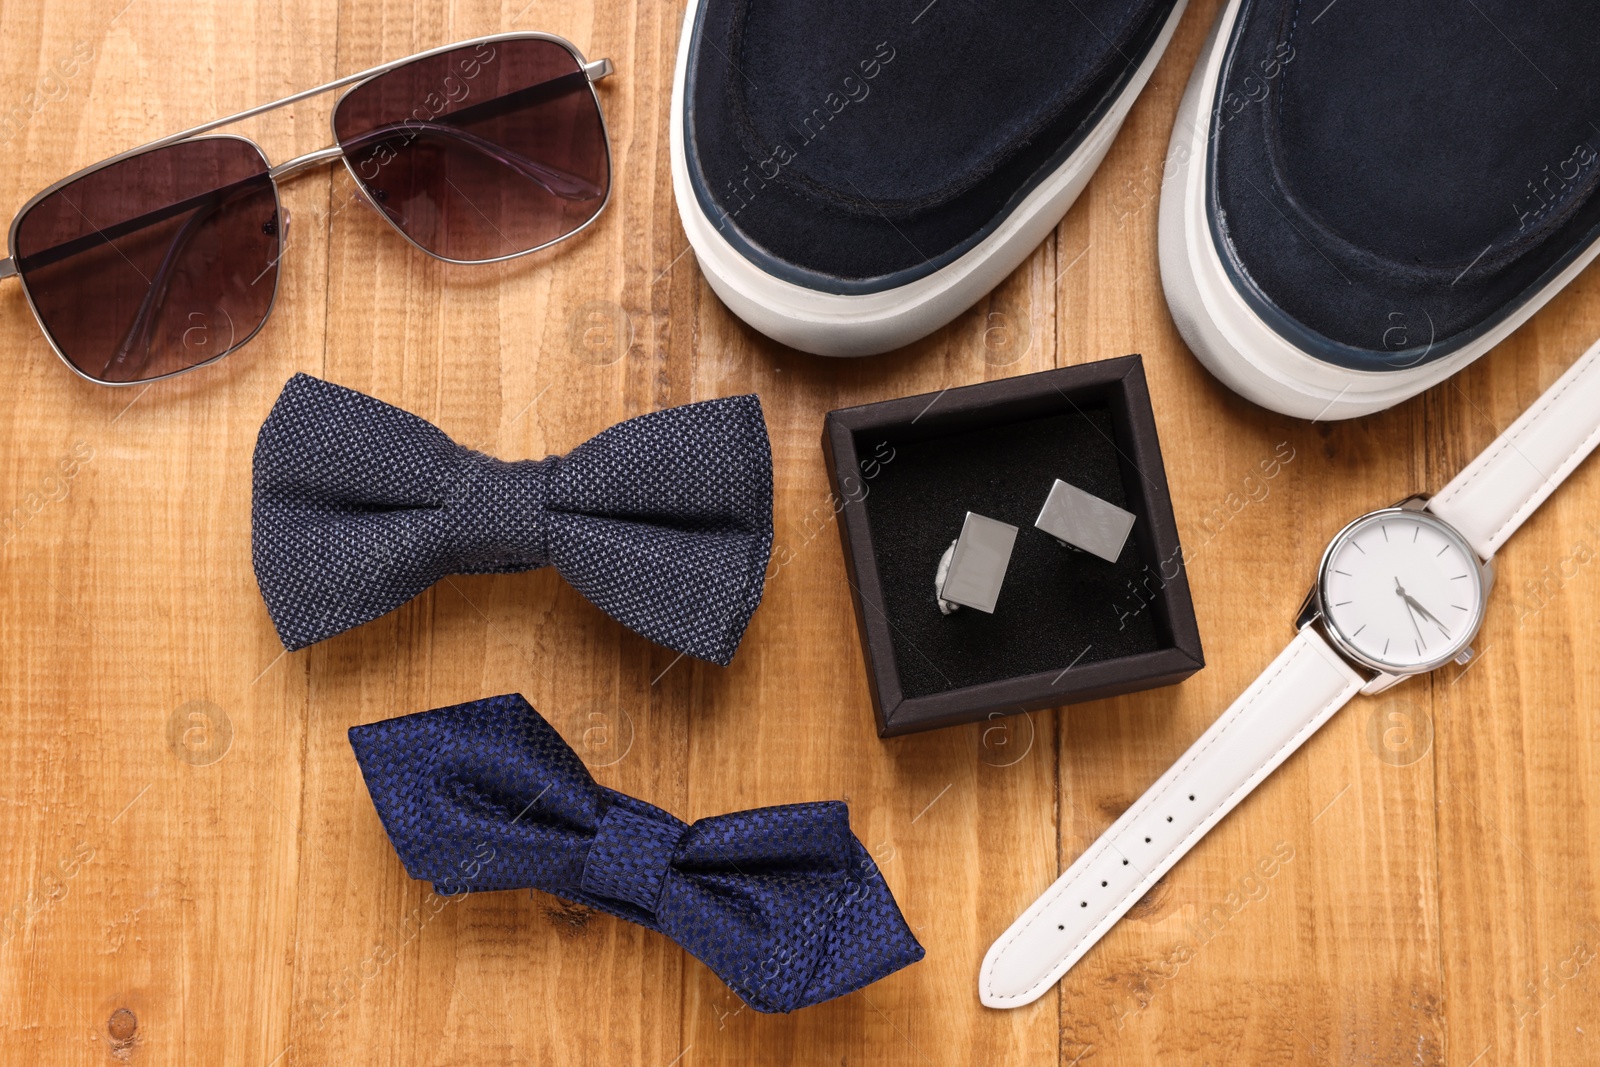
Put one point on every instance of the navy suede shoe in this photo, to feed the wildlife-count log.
(1363, 198)
(852, 176)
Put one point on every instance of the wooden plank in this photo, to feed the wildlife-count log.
(152, 780)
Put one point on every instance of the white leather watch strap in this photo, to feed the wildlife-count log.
(1504, 485)
(1302, 689)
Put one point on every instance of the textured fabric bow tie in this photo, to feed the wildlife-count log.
(783, 903)
(664, 522)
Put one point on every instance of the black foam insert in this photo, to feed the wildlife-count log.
(1058, 607)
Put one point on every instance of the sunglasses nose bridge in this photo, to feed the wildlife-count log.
(300, 164)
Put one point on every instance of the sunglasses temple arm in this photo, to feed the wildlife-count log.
(138, 334)
(497, 106)
(554, 180)
(154, 294)
(110, 234)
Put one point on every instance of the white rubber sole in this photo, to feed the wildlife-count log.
(1221, 329)
(830, 324)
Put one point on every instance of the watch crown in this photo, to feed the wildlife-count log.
(1464, 657)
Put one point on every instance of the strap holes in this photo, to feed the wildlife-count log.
(1102, 885)
(1124, 863)
(1147, 840)
(1191, 796)
(1169, 818)
(1083, 904)
(1060, 926)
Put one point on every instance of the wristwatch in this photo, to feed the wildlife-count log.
(1400, 592)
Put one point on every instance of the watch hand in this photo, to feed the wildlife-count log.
(1413, 617)
(1414, 605)
(1426, 614)
(1400, 591)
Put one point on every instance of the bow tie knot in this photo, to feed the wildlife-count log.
(496, 514)
(629, 858)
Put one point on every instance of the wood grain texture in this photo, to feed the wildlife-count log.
(186, 835)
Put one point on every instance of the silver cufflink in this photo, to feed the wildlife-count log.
(1082, 520)
(974, 566)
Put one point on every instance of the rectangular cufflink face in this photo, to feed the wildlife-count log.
(978, 565)
(1085, 521)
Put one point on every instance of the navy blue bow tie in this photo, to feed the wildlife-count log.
(664, 522)
(783, 903)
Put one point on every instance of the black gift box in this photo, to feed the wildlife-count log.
(1069, 626)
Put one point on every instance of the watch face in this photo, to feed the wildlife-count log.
(1401, 591)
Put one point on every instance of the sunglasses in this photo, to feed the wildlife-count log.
(165, 258)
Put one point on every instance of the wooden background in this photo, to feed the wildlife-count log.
(187, 838)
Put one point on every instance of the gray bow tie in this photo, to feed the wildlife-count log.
(664, 522)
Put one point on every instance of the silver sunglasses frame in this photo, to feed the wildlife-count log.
(593, 70)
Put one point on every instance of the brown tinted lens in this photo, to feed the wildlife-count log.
(157, 263)
(480, 152)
